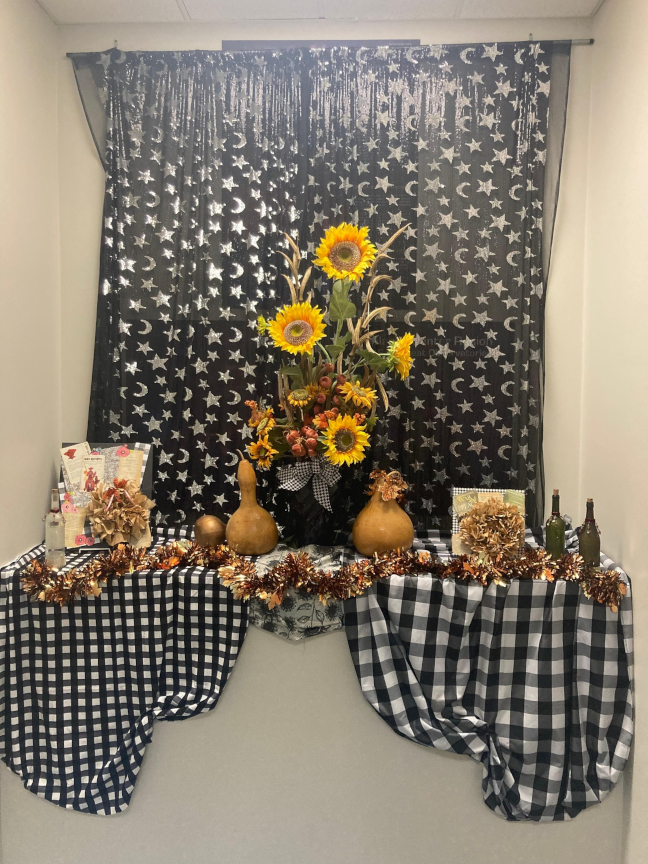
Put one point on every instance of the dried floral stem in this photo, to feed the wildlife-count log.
(296, 283)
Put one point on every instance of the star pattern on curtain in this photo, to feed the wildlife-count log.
(211, 156)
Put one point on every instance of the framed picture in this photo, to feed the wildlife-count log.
(83, 467)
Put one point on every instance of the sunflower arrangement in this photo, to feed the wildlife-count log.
(330, 390)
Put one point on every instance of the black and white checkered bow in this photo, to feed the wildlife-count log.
(324, 474)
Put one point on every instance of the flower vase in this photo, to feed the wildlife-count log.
(303, 518)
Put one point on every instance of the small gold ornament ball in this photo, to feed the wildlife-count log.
(209, 531)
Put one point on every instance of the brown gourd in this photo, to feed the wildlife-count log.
(251, 530)
(209, 531)
(382, 526)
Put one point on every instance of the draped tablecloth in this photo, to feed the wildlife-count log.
(533, 680)
(81, 686)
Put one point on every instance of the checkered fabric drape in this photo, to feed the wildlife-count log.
(82, 686)
(532, 680)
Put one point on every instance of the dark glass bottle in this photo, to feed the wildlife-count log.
(555, 542)
(589, 539)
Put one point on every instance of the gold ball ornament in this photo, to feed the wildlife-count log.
(209, 531)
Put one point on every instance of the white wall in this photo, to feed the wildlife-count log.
(29, 273)
(293, 765)
(615, 401)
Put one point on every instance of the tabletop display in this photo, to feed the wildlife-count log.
(300, 347)
(515, 673)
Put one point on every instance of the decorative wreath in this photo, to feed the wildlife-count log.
(297, 570)
(493, 529)
(119, 513)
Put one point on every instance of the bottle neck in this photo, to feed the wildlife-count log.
(54, 502)
(589, 514)
(555, 505)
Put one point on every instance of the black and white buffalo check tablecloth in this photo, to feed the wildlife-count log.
(82, 686)
(532, 680)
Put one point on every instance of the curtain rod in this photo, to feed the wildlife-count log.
(570, 41)
(402, 41)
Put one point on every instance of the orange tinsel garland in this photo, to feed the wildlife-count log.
(297, 570)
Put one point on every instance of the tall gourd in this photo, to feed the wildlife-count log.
(382, 525)
(251, 530)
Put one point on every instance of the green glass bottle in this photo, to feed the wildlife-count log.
(555, 528)
(589, 539)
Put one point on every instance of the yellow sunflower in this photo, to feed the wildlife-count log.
(297, 328)
(263, 451)
(400, 359)
(345, 252)
(345, 441)
(363, 397)
(299, 397)
(266, 423)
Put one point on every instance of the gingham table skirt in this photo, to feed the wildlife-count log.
(533, 680)
(82, 686)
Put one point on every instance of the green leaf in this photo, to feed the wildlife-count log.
(293, 372)
(338, 346)
(374, 361)
(340, 307)
(278, 441)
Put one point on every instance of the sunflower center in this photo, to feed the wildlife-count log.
(345, 255)
(297, 332)
(344, 440)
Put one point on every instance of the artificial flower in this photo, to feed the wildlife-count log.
(345, 252)
(263, 451)
(262, 324)
(400, 358)
(345, 441)
(362, 397)
(314, 390)
(123, 451)
(260, 417)
(297, 328)
(299, 397)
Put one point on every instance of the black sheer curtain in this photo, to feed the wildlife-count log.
(210, 156)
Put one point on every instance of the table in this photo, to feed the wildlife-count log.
(532, 680)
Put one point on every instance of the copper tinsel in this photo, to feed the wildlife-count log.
(493, 529)
(297, 570)
(41, 582)
(604, 587)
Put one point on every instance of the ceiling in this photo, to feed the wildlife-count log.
(161, 11)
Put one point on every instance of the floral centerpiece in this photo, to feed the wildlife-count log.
(331, 387)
